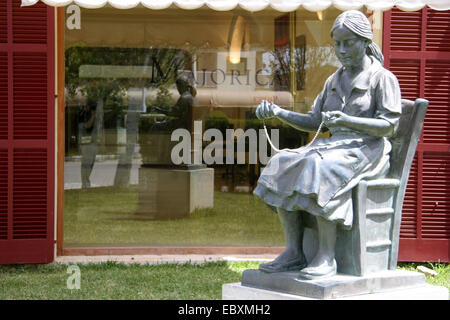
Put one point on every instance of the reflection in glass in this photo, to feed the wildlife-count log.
(140, 83)
(89, 126)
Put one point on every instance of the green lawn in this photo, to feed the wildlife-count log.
(119, 281)
(156, 282)
(107, 216)
(443, 270)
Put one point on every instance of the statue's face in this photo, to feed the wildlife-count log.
(349, 48)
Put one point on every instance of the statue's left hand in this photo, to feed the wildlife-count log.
(335, 118)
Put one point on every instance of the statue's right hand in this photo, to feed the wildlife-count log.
(266, 110)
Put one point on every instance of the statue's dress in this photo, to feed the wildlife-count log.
(319, 181)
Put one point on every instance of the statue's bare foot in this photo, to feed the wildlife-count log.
(287, 261)
(318, 269)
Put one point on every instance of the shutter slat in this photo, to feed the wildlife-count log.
(3, 22)
(29, 23)
(406, 30)
(438, 30)
(436, 190)
(3, 94)
(29, 121)
(30, 194)
(406, 72)
(437, 91)
(3, 194)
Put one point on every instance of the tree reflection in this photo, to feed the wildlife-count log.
(101, 83)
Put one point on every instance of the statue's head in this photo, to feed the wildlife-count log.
(184, 84)
(356, 22)
(352, 35)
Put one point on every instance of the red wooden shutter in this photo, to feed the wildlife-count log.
(27, 125)
(416, 46)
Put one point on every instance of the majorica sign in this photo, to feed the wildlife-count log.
(155, 73)
(219, 76)
(213, 152)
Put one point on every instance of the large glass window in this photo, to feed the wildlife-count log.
(162, 146)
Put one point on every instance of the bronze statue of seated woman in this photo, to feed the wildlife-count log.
(360, 104)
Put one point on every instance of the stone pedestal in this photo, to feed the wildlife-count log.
(156, 148)
(171, 193)
(392, 284)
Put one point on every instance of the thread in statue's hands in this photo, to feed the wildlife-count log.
(301, 149)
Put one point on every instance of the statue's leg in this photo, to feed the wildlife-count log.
(292, 257)
(323, 264)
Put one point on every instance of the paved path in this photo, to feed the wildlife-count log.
(102, 175)
(157, 259)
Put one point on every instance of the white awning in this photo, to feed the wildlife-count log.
(254, 5)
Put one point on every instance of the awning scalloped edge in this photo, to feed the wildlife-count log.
(254, 5)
